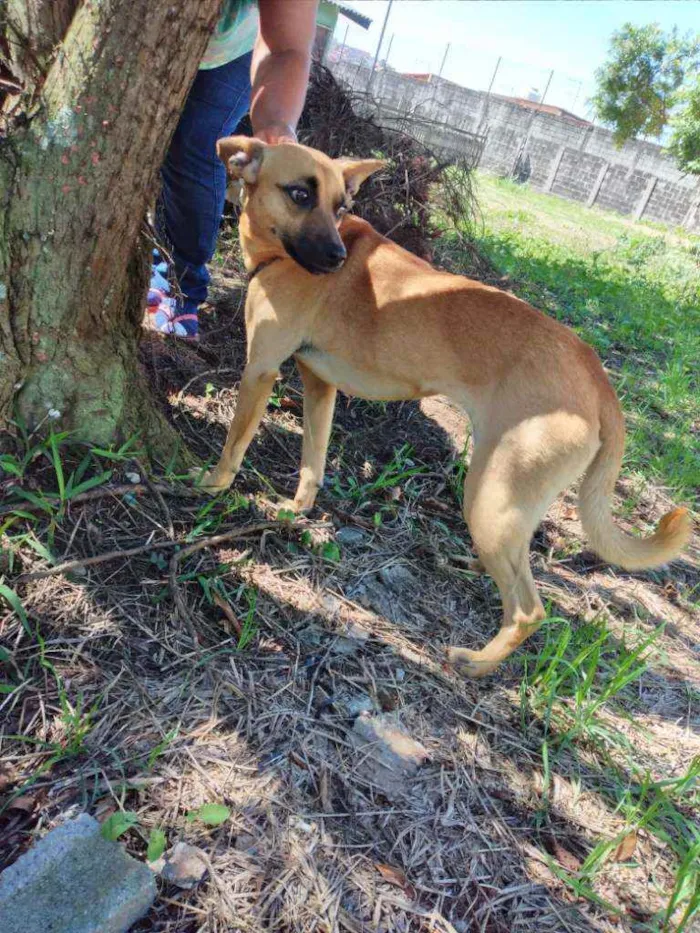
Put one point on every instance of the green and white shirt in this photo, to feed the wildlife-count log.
(234, 35)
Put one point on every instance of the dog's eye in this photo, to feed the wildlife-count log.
(299, 195)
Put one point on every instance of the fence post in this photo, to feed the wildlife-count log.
(598, 184)
(554, 169)
(644, 200)
(689, 219)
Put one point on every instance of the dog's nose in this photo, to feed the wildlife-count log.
(335, 254)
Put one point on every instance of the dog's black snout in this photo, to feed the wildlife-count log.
(335, 254)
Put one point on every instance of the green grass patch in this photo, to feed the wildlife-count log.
(575, 688)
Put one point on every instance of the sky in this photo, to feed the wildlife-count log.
(532, 37)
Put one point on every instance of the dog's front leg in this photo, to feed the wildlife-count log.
(255, 389)
(319, 402)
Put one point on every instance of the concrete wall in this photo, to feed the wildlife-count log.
(553, 153)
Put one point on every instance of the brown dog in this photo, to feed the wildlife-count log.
(382, 324)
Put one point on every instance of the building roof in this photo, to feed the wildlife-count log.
(351, 14)
(550, 109)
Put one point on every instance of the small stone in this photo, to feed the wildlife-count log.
(184, 866)
(397, 577)
(245, 842)
(351, 640)
(375, 596)
(351, 537)
(74, 881)
(388, 757)
(133, 478)
(359, 704)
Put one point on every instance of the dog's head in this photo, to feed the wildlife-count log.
(294, 197)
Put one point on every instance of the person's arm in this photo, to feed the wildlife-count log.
(279, 73)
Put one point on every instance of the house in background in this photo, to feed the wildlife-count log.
(327, 17)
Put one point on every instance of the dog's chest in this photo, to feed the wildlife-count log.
(351, 377)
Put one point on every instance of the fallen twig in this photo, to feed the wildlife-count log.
(180, 605)
(104, 491)
(142, 549)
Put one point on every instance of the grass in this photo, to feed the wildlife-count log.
(577, 679)
(560, 796)
(632, 291)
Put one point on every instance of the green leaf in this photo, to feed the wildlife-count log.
(40, 549)
(7, 688)
(57, 465)
(213, 814)
(13, 599)
(330, 551)
(118, 823)
(156, 845)
(39, 502)
(286, 515)
(10, 466)
(91, 483)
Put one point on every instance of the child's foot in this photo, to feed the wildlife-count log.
(167, 315)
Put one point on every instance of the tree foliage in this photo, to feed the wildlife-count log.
(684, 145)
(640, 82)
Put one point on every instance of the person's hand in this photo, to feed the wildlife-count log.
(276, 133)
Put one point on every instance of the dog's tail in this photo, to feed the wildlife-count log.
(595, 501)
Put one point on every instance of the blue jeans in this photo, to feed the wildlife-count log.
(194, 179)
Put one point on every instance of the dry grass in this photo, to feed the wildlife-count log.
(116, 706)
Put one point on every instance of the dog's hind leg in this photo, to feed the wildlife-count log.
(319, 402)
(507, 491)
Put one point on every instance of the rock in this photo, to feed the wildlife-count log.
(351, 639)
(373, 595)
(75, 881)
(362, 703)
(351, 537)
(183, 866)
(387, 756)
(397, 577)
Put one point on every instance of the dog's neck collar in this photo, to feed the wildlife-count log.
(262, 265)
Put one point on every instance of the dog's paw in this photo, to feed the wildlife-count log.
(209, 482)
(293, 506)
(469, 664)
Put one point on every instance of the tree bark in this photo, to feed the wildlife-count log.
(76, 177)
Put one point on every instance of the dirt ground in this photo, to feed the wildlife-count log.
(272, 672)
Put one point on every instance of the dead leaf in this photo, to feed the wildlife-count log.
(104, 808)
(26, 802)
(393, 875)
(183, 865)
(671, 590)
(324, 789)
(565, 858)
(626, 849)
(8, 775)
(435, 504)
(234, 622)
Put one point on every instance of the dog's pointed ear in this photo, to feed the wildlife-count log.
(242, 156)
(355, 171)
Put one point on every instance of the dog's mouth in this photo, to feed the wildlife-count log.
(318, 259)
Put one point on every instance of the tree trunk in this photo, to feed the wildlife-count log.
(77, 171)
